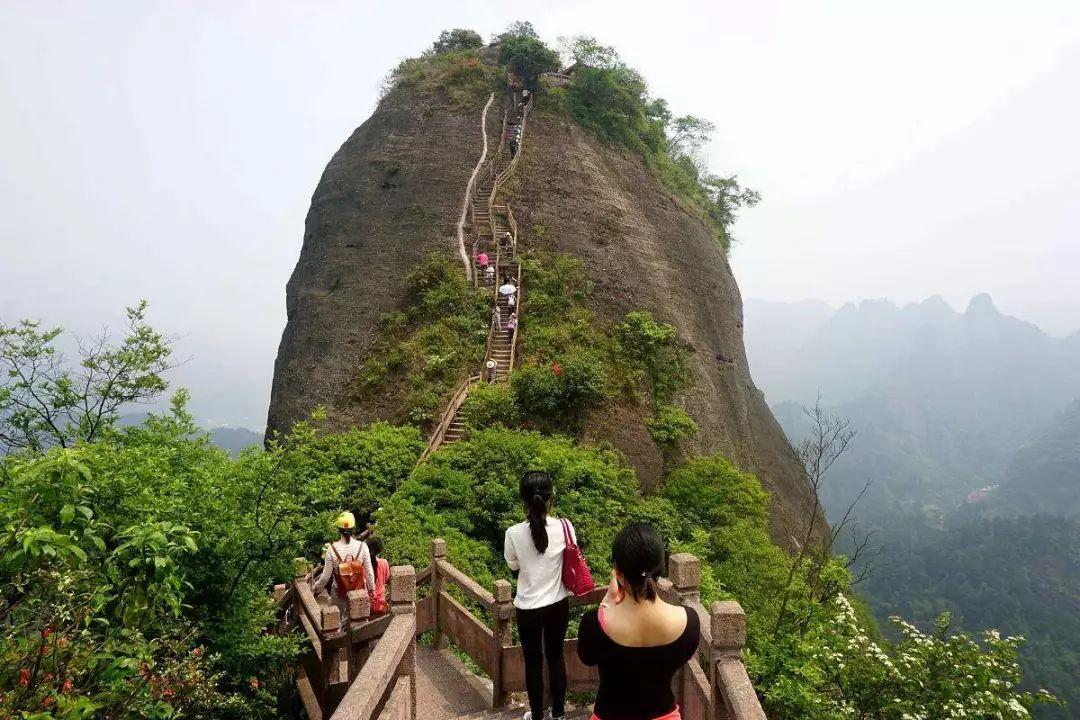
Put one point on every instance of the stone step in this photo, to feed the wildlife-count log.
(516, 713)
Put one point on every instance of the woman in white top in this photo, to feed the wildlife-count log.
(347, 548)
(534, 549)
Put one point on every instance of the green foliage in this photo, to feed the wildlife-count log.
(468, 494)
(561, 394)
(574, 363)
(44, 401)
(653, 349)
(489, 405)
(527, 56)
(135, 568)
(463, 77)
(454, 40)
(612, 100)
(421, 354)
(671, 424)
(1028, 561)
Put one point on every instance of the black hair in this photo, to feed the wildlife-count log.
(638, 554)
(536, 491)
(347, 532)
(374, 546)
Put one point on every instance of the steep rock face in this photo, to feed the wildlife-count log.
(390, 195)
(645, 251)
(393, 192)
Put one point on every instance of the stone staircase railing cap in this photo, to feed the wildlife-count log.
(402, 584)
(359, 604)
(728, 626)
(438, 548)
(684, 570)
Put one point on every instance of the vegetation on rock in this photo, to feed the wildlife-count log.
(426, 350)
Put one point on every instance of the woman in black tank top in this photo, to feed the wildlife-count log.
(637, 641)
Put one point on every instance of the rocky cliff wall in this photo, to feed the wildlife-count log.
(393, 193)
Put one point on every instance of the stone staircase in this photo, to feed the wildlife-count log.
(517, 713)
(491, 226)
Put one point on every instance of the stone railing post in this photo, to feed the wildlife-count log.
(684, 571)
(438, 552)
(403, 602)
(728, 640)
(728, 628)
(279, 595)
(359, 609)
(330, 629)
(502, 617)
(301, 567)
(684, 574)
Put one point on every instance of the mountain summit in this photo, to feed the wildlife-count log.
(393, 194)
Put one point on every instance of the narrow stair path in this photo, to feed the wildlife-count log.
(492, 230)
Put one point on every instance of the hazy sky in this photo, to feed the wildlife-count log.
(168, 150)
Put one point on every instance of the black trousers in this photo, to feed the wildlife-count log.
(543, 631)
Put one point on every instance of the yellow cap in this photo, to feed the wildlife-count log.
(346, 521)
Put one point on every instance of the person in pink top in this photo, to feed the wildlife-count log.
(482, 260)
(382, 576)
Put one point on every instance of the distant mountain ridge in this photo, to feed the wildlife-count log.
(230, 439)
(941, 399)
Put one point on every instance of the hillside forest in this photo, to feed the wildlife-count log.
(136, 560)
(968, 433)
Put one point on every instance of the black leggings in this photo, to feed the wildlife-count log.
(542, 633)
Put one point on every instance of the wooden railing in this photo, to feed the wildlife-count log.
(470, 192)
(513, 229)
(712, 686)
(358, 667)
(456, 402)
(520, 314)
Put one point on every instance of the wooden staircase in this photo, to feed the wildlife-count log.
(495, 234)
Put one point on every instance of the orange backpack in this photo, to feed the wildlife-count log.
(349, 574)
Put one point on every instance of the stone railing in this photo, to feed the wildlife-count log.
(712, 686)
(358, 667)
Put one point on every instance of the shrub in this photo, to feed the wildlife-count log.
(456, 39)
(560, 394)
(431, 346)
(463, 77)
(489, 405)
(671, 424)
(654, 349)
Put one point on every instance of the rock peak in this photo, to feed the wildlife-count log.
(982, 304)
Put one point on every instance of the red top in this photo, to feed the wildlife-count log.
(382, 575)
(482, 259)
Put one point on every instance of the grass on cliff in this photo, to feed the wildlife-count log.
(424, 352)
(463, 77)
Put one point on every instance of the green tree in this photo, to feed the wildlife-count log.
(527, 56)
(456, 39)
(46, 401)
(687, 133)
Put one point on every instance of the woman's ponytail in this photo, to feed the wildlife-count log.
(639, 555)
(536, 490)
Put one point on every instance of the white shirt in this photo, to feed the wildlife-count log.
(540, 577)
(353, 548)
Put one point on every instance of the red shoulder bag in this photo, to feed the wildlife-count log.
(575, 570)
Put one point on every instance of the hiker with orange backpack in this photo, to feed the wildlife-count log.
(347, 561)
